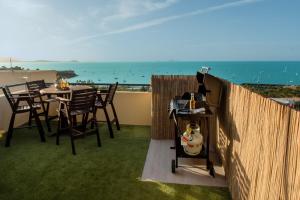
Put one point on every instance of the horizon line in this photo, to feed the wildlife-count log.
(169, 60)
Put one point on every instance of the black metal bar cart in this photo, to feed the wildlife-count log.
(179, 110)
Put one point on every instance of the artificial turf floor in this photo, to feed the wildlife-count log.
(31, 170)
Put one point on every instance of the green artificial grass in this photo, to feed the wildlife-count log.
(31, 170)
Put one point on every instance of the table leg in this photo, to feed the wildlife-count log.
(37, 121)
(62, 122)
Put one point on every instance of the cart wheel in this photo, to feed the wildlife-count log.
(173, 166)
(212, 172)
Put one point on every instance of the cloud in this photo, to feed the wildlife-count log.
(24, 7)
(164, 20)
(132, 8)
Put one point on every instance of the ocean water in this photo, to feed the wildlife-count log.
(283, 72)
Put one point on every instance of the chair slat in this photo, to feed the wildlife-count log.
(82, 103)
(83, 99)
(36, 85)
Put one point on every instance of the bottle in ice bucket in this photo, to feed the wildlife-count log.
(58, 84)
(192, 101)
(62, 84)
(67, 85)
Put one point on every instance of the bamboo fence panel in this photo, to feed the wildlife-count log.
(258, 139)
(224, 135)
(292, 182)
(272, 130)
(164, 88)
(252, 142)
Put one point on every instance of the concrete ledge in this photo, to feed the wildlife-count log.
(132, 108)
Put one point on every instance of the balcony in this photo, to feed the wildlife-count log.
(250, 135)
(31, 169)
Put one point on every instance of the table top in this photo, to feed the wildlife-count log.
(53, 90)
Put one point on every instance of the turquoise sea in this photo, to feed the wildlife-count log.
(283, 72)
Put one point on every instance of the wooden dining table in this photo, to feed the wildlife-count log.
(52, 90)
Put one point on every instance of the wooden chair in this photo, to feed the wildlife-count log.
(35, 87)
(28, 105)
(105, 98)
(81, 103)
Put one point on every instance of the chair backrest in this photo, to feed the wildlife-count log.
(214, 87)
(36, 85)
(111, 92)
(8, 96)
(83, 100)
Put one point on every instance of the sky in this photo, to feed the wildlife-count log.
(150, 30)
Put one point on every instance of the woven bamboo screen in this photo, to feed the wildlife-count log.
(164, 88)
(259, 146)
(292, 182)
(258, 139)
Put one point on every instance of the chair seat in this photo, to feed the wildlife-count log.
(27, 107)
(50, 100)
(79, 112)
(99, 104)
(75, 112)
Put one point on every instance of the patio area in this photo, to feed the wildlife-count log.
(136, 163)
(30, 169)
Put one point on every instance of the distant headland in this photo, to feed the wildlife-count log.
(60, 73)
(53, 61)
(12, 59)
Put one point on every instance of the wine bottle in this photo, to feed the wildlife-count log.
(192, 101)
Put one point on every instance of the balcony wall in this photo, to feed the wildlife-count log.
(8, 77)
(132, 108)
(16, 77)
